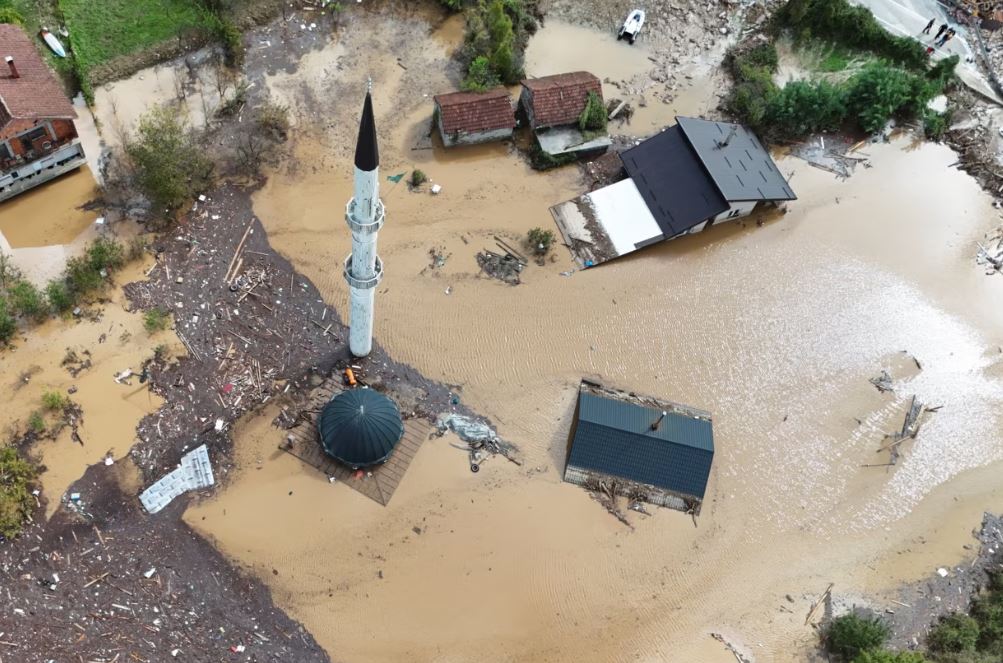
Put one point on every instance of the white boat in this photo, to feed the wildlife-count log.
(52, 41)
(631, 26)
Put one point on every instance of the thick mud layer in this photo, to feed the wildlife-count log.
(775, 328)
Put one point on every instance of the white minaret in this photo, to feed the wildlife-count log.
(364, 214)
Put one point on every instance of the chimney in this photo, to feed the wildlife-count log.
(658, 421)
(13, 69)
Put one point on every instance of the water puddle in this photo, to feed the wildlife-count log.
(51, 213)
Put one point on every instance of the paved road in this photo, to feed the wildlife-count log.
(909, 17)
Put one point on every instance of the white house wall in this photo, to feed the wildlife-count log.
(736, 211)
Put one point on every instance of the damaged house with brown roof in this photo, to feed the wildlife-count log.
(553, 106)
(465, 118)
(38, 140)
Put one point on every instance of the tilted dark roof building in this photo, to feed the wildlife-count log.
(360, 427)
(626, 438)
(696, 169)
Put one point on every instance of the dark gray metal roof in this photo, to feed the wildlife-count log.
(360, 427)
(367, 152)
(614, 437)
(734, 158)
(673, 182)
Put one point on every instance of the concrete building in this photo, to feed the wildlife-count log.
(464, 118)
(553, 104)
(641, 447)
(682, 180)
(364, 215)
(38, 140)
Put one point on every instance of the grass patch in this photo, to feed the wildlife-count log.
(36, 422)
(53, 401)
(101, 30)
(155, 320)
(16, 475)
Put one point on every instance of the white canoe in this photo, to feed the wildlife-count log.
(52, 41)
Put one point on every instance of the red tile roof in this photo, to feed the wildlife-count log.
(560, 99)
(475, 111)
(36, 94)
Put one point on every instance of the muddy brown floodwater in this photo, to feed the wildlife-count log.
(774, 328)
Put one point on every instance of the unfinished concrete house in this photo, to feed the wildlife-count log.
(38, 140)
(553, 105)
(644, 448)
(465, 118)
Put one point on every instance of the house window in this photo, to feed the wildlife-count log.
(733, 213)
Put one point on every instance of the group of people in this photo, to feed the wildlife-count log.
(944, 35)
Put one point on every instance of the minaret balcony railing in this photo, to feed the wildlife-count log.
(360, 226)
(363, 284)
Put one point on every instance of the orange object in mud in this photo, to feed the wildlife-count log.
(350, 376)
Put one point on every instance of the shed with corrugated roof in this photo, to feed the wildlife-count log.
(645, 448)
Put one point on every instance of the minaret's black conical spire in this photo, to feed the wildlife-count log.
(367, 153)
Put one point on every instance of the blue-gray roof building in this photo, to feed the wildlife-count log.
(654, 450)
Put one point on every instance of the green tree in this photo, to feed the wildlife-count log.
(16, 475)
(58, 296)
(170, 165)
(593, 117)
(502, 37)
(885, 656)
(850, 635)
(480, 75)
(11, 15)
(804, 107)
(954, 633)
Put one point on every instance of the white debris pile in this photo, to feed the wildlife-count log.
(991, 253)
(194, 472)
(467, 428)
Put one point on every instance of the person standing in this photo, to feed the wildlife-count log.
(941, 30)
(929, 25)
(946, 38)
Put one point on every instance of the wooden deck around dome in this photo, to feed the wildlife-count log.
(385, 478)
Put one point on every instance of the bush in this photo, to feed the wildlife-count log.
(58, 296)
(8, 270)
(540, 240)
(879, 92)
(155, 320)
(16, 475)
(954, 633)
(935, 124)
(36, 422)
(593, 117)
(26, 300)
(988, 612)
(418, 177)
(842, 23)
(55, 401)
(851, 634)
(885, 656)
(803, 107)
(8, 326)
(942, 72)
(233, 43)
(273, 120)
(480, 75)
(170, 165)
(81, 278)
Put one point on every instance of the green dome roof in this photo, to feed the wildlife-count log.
(360, 427)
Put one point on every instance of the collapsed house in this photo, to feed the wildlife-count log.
(553, 106)
(682, 180)
(465, 118)
(38, 140)
(644, 448)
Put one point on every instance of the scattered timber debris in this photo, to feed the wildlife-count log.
(607, 493)
(619, 110)
(482, 442)
(883, 382)
(823, 599)
(909, 431)
(437, 257)
(74, 363)
(991, 254)
(505, 267)
(739, 656)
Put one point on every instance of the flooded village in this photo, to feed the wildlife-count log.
(593, 357)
